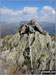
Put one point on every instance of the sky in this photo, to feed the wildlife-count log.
(17, 11)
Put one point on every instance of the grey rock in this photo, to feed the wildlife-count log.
(15, 52)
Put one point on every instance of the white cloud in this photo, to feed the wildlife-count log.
(10, 11)
(30, 10)
(47, 13)
(7, 11)
(49, 9)
(27, 13)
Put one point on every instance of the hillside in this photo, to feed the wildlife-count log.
(15, 55)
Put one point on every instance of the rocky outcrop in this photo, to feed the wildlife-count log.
(15, 53)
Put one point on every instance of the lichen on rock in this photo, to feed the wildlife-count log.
(15, 54)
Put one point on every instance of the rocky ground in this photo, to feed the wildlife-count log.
(15, 53)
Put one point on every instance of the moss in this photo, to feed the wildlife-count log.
(6, 39)
(4, 42)
(9, 37)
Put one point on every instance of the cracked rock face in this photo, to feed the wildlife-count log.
(15, 53)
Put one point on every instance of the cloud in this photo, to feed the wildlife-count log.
(49, 9)
(47, 13)
(10, 11)
(30, 10)
(26, 13)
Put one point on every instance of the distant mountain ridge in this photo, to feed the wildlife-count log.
(8, 28)
(49, 27)
(11, 28)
